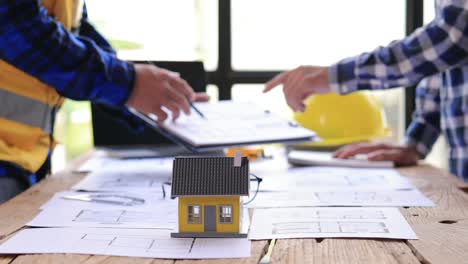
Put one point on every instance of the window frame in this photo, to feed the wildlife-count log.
(190, 216)
(225, 219)
(224, 77)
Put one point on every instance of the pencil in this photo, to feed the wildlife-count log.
(190, 102)
(196, 110)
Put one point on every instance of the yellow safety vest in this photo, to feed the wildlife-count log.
(26, 103)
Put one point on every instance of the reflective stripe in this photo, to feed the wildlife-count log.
(19, 82)
(25, 110)
(67, 12)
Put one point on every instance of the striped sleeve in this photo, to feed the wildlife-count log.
(425, 128)
(75, 66)
(436, 47)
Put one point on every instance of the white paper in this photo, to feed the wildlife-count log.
(102, 162)
(326, 159)
(152, 201)
(313, 178)
(314, 222)
(128, 181)
(163, 217)
(149, 243)
(384, 198)
(228, 122)
(99, 156)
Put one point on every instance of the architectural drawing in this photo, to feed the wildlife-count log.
(305, 222)
(123, 216)
(147, 243)
(355, 198)
(329, 227)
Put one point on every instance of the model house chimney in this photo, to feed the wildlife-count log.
(237, 159)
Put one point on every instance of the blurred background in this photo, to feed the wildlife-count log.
(243, 43)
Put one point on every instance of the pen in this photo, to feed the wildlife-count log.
(190, 102)
(196, 109)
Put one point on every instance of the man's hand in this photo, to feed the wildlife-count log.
(156, 88)
(400, 155)
(300, 83)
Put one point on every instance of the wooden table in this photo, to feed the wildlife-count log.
(442, 231)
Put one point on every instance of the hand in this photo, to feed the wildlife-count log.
(201, 97)
(156, 88)
(300, 83)
(400, 155)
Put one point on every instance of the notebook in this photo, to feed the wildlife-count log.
(299, 157)
(229, 123)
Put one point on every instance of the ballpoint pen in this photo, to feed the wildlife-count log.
(188, 99)
(196, 109)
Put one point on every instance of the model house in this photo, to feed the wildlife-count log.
(209, 191)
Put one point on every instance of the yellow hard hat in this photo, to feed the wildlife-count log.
(340, 120)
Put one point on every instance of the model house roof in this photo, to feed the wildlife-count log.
(201, 176)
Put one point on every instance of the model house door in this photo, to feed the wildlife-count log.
(210, 218)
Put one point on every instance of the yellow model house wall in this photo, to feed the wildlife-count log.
(212, 200)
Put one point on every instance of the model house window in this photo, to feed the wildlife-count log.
(194, 214)
(225, 214)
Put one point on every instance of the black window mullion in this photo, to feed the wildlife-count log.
(414, 20)
(224, 76)
(221, 77)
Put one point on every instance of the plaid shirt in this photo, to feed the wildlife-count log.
(438, 51)
(79, 66)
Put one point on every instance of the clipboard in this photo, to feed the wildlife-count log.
(304, 134)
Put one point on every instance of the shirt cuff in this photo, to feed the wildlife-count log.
(422, 136)
(119, 82)
(342, 78)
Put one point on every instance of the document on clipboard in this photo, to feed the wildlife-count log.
(228, 123)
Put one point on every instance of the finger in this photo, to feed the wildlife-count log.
(294, 88)
(300, 93)
(292, 103)
(277, 80)
(174, 108)
(201, 97)
(385, 155)
(290, 88)
(361, 149)
(179, 99)
(291, 98)
(348, 147)
(160, 114)
(182, 87)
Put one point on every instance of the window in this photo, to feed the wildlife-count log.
(225, 214)
(176, 30)
(194, 214)
(307, 32)
(242, 46)
(311, 32)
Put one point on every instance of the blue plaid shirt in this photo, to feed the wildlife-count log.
(438, 51)
(81, 66)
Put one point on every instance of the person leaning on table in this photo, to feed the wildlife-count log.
(435, 56)
(48, 51)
